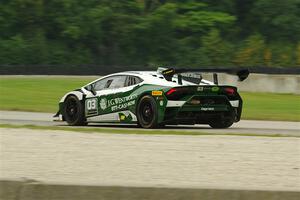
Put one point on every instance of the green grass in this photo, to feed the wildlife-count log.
(137, 131)
(267, 106)
(42, 94)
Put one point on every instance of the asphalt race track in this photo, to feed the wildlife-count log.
(165, 161)
(244, 126)
(235, 164)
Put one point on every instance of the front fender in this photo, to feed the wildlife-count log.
(78, 94)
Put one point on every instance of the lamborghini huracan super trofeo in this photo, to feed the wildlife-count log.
(153, 99)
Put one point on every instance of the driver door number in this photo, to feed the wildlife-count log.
(91, 106)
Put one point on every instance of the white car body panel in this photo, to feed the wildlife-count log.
(235, 103)
(148, 77)
(78, 94)
(175, 103)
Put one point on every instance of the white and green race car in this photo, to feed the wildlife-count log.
(153, 99)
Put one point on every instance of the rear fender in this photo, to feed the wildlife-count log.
(161, 103)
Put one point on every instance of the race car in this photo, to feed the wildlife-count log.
(152, 99)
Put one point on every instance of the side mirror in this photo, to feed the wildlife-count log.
(91, 89)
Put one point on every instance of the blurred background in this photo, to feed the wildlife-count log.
(98, 37)
(51, 47)
(86, 34)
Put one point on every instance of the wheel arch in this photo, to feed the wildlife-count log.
(80, 120)
(160, 109)
(78, 94)
(141, 95)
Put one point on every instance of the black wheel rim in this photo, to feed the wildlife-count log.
(146, 113)
(71, 109)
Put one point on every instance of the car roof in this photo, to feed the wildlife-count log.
(155, 75)
(149, 77)
(152, 77)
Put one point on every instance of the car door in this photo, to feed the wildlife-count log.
(113, 94)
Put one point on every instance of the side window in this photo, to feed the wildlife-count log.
(108, 83)
(133, 80)
(137, 80)
(117, 82)
(101, 84)
(113, 82)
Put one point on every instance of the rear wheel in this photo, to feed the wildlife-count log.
(147, 112)
(221, 123)
(73, 111)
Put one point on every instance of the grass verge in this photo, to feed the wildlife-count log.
(137, 131)
(41, 94)
(269, 106)
(38, 94)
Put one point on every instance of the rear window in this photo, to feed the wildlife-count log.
(132, 80)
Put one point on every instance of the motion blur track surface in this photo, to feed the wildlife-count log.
(242, 127)
(38, 165)
(55, 164)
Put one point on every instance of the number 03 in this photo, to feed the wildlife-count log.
(91, 104)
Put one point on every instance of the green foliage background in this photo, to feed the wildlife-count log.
(151, 32)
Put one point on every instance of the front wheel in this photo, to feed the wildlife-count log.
(73, 112)
(147, 112)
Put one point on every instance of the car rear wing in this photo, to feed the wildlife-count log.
(168, 73)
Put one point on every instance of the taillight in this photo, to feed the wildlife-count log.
(177, 93)
(229, 91)
(172, 90)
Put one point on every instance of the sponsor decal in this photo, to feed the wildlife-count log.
(215, 89)
(161, 103)
(118, 103)
(208, 109)
(195, 101)
(103, 103)
(157, 93)
(191, 75)
(121, 100)
(168, 71)
(122, 116)
(125, 117)
(122, 106)
(200, 89)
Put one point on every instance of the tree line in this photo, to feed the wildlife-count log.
(150, 32)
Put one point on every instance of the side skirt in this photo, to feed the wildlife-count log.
(125, 116)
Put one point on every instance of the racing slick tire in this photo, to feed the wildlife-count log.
(221, 123)
(147, 112)
(73, 111)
